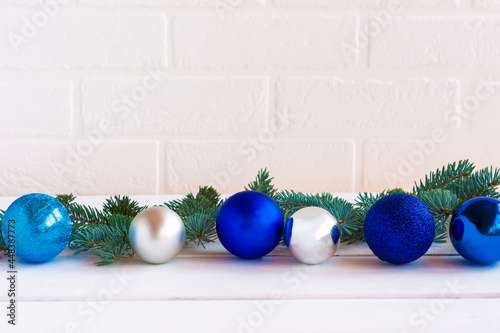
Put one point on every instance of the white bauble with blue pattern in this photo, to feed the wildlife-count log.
(312, 235)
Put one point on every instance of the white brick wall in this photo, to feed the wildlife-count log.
(151, 97)
(252, 41)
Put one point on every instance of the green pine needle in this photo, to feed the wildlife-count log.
(445, 177)
(116, 245)
(89, 237)
(112, 250)
(482, 183)
(442, 204)
(67, 200)
(263, 184)
(104, 232)
(365, 201)
(199, 214)
(84, 215)
(125, 206)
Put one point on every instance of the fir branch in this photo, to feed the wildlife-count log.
(209, 194)
(349, 223)
(442, 204)
(116, 245)
(88, 237)
(263, 184)
(199, 214)
(365, 201)
(67, 200)
(125, 206)
(200, 227)
(445, 177)
(105, 232)
(481, 183)
(83, 215)
(290, 202)
(101, 238)
(112, 250)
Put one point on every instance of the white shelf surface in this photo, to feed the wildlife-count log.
(209, 290)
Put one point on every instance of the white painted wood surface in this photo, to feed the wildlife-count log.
(208, 290)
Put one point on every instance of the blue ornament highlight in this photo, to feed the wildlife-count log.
(42, 227)
(399, 228)
(288, 231)
(475, 230)
(335, 233)
(249, 224)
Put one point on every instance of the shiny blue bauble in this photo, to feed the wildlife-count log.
(399, 228)
(250, 224)
(475, 230)
(41, 224)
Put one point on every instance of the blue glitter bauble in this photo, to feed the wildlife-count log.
(399, 228)
(42, 227)
(475, 230)
(250, 224)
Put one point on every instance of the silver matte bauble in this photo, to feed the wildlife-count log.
(312, 235)
(157, 234)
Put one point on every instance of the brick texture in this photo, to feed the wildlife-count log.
(161, 96)
(320, 104)
(262, 41)
(85, 167)
(36, 109)
(229, 166)
(154, 104)
(437, 42)
(63, 40)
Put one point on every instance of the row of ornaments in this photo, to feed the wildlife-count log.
(398, 228)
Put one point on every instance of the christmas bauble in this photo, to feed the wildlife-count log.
(38, 225)
(399, 228)
(249, 224)
(475, 230)
(312, 235)
(157, 234)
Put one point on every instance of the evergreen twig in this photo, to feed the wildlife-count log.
(481, 183)
(263, 183)
(104, 231)
(125, 206)
(442, 204)
(116, 245)
(444, 178)
(199, 213)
